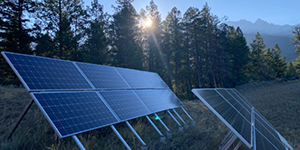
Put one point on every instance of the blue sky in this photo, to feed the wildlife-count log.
(279, 12)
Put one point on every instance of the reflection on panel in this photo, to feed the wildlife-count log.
(103, 77)
(74, 112)
(125, 104)
(134, 78)
(40, 73)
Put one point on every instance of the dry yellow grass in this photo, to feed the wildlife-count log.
(278, 102)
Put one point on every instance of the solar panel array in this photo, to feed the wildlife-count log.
(76, 97)
(236, 112)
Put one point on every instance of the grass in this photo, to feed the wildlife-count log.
(278, 102)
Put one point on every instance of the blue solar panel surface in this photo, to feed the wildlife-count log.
(266, 137)
(40, 73)
(74, 112)
(236, 104)
(134, 78)
(154, 79)
(103, 77)
(169, 98)
(152, 100)
(228, 114)
(77, 97)
(125, 104)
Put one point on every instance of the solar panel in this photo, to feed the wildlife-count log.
(240, 98)
(262, 143)
(154, 79)
(170, 98)
(235, 111)
(268, 132)
(227, 113)
(40, 73)
(236, 104)
(125, 104)
(103, 77)
(134, 78)
(71, 113)
(152, 100)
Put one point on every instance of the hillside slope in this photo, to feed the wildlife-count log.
(278, 102)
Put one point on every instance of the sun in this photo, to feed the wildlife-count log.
(148, 23)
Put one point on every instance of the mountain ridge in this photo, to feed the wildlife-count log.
(271, 33)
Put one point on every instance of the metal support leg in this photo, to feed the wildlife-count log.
(154, 126)
(135, 133)
(238, 145)
(162, 122)
(186, 113)
(120, 137)
(20, 119)
(228, 141)
(174, 118)
(78, 142)
(179, 116)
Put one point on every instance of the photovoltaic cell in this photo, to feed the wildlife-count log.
(152, 100)
(154, 79)
(236, 104)
(268, 132)
(226, 112)
(74, 112)
(134, 78)
(40, 73)
(262, 143)
(238, 96)
(125, 104)
(103, 77)
(169, 98)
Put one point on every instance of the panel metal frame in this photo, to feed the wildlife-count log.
(39, 90)
(53, 125)
(220, 117)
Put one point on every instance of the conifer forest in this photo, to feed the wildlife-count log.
(188, 50)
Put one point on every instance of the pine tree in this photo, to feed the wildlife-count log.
(290, 70)
(124, 32)
(96, 45)
(14, 34)
(296, 41)
(64, 20)
(257, 69)
(279, 65)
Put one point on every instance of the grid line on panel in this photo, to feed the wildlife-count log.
(42, 74)
(122, 77)
(249, 107)
(262, 142)
(151, 100)
(107, 105)
(134, 78)
(248, 120)
(235, 104)
(170, 98)
(103, 77)
(125, 104)
(86, 78)
(74, 112)
(154, 79)
(228, 115)
(269, 133)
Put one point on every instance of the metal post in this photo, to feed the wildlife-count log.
(135, 133)
(228, 141)
(174, 118)
(154, 126)
(20, 119)
(162, 122)
(238, 145)
(78, 142)
(120, 137)
(179, 116)
(187, 113)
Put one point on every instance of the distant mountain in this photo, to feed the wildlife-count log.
(262, 27)
(271, 34)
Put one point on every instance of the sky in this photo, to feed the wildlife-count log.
(279, 12)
